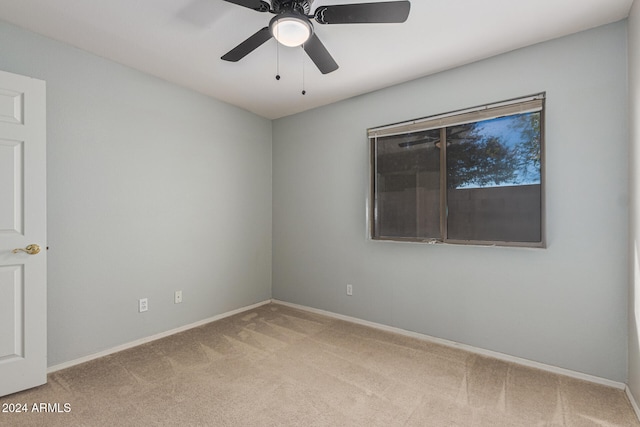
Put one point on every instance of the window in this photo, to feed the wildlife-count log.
(472, 176)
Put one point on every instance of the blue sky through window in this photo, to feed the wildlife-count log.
(511, 132)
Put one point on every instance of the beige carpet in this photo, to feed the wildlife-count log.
(277, 366)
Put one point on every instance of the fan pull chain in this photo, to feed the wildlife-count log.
(304, 92)
(277, 59)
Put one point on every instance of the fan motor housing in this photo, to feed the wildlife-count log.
(300, 6)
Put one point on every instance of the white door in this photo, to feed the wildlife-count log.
(23, 276)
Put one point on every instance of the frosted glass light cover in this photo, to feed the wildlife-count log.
(291, 31)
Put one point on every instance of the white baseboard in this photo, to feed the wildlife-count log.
(632, 399)
(152, 338)
(469, 348)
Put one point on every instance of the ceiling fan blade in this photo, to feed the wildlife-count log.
(319, 55)
(248, 46)
(259, 5)
(364, 13)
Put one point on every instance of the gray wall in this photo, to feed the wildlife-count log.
(634, 190)
(151, 188)
(564, 305)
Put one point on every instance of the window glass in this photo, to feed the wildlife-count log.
(407, 181)
(493, 180)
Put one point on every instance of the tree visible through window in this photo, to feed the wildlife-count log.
(477, 181)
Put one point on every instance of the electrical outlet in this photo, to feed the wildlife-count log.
(143, 305)
(349, 290)
(177, 298)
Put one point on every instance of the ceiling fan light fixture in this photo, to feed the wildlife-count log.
(290, 29)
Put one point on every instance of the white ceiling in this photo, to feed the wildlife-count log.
(182, 41)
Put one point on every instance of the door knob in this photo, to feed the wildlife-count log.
(31, 249)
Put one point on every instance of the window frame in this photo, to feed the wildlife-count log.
(521, 105)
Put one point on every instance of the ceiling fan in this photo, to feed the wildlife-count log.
(291, 25)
